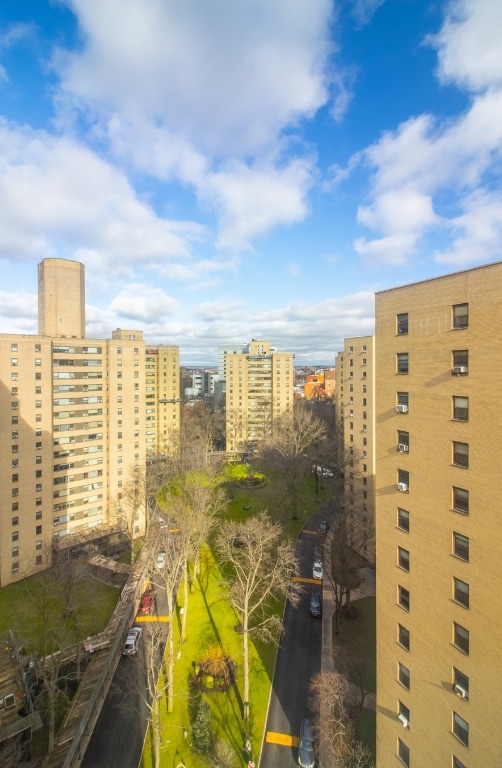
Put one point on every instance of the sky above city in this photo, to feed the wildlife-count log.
(229, 170)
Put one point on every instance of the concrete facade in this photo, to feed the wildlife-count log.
(355, 398)
(78, 418)
(259, 390)
(439, 622)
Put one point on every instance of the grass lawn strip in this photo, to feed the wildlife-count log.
(212, 621)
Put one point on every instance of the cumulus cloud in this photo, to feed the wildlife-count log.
(469, 50)
(430, 174)
(207, 98)
(144, 304)
(56, 195)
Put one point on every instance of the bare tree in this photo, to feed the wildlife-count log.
(286, 449)
(258, 561)
(202, 432)
(177, 548)
(193, 502)
(329, 700)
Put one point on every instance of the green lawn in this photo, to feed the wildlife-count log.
(212, 622)
(28, 605)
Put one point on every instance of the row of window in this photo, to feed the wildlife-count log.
(460, 729)
(459, 319)
(459, 362)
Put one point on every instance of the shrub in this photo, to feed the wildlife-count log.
(202, 730)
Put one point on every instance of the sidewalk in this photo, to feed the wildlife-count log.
(365, 589)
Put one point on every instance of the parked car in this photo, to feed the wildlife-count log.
(306, 754)
(317, 554)
(317, 570)
(146, 602)
(323, 526)
(161, 560)
(315, 605)
(132, 641)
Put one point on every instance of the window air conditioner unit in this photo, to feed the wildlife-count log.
(401, 408)
(403, 448)
(404, 722)
(402, 486)
(460, 691)
(459, 369)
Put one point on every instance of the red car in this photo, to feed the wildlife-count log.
(146, 602)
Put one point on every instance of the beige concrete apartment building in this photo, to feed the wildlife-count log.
(439, 533)
(355, 396)
(259, 390)
(78, 418)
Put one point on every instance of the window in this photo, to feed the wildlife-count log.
(403, 479)
(461, 637)
(404, 676)
(15, 567)
(15, 521)
(461, 500)
(15, 535)
(402, 362)
(461, 592)
(38, 530)
(461, 729)
(404, 597)
(402, 324)
(403, 558)
(402, 402)
(460, 315)
(38, 560)
(404, 712)
(403, 519)
(461, 546)
(461, 454)
(13, 361)
(456, 763)
(403, 752)
(460, 360)
(13, 377)
(38, 544)
(15, 551)
(403, 441)
(460, 408)
(460, 683)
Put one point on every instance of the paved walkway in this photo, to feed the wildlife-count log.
(365, 589)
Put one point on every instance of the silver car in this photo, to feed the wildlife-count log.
(317, 570)
(132, 641)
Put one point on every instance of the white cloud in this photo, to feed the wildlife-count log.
(293, 269)
(477, 231)
(252, 200)
(469, 48)
(363, 10)
(144, 304)
(428, 174)
(228, 81)
(209, 98)
(56, 196)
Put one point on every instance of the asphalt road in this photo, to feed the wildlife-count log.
(118, 737)
(298, 659)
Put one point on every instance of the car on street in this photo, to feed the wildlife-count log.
(161, 560)
(317, 570)
(146, 602)
(306, 754)
(132, 641)
(323, 526)
(315, 608)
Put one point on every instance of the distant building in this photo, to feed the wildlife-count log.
(259, 390)
(355, 402)
(320, 385)
(439, 534)
(78, 418)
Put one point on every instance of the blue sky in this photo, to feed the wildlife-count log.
(256, 169)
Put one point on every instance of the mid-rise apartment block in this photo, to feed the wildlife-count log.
(259, 391)
(78, 418)
(355, 397)
(439, 534)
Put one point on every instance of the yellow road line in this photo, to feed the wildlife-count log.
(284, 739)
(306, 580)
(152, 618)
